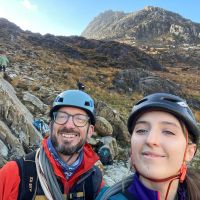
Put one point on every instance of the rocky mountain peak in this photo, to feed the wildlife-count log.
(8, 26)
(148, 24)
(5, 23)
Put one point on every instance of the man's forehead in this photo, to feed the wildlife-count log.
(72, 110)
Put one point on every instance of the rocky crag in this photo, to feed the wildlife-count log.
(150, 24)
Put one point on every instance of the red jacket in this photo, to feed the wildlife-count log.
(10, 179)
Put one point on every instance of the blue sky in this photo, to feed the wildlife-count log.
(70, 17)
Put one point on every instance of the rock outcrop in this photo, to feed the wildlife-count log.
(16, 129)
(142, 81)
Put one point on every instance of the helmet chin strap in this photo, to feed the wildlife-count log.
(181, 175)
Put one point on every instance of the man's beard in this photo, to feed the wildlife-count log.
(65, 148)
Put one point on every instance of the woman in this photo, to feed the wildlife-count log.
(164, 138)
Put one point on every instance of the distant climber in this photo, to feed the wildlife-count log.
(3, 61)
(80, 86)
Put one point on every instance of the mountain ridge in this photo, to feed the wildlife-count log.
(146, 24)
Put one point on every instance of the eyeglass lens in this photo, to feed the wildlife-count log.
(63, 117)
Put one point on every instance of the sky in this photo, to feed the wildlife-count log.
(71, 17)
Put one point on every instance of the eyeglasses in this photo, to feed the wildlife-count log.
(63, 117)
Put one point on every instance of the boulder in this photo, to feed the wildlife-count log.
(120, 131)
(103, 127)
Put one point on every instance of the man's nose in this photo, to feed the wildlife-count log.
(70, 122)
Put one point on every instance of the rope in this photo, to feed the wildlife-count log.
(47, 177)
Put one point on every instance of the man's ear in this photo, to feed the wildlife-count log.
(90, 131)
(50, 124)
(191, 150)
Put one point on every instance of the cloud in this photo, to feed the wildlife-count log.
(28, 5)
(2, 12)
(23, 24)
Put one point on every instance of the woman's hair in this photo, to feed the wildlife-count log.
(185, 131)
(192, 180)
(192, 184)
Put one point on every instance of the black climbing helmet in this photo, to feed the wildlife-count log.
(166, 102)
(75, 98)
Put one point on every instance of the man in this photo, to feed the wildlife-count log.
(3, 61)
(64, 166)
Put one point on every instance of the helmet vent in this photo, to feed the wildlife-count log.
(139, 102)
(59, 99)
(170, 99)
(87, 103)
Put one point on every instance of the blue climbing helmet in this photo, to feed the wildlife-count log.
(169, 103)
(77, 99)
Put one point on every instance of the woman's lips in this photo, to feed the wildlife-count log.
(152, 154)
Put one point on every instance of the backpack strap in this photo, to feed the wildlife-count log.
(129, 195)
(95, 181)
(28, 176)
(117, 187)
(88, 185)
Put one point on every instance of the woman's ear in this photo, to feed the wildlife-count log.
(191, 150)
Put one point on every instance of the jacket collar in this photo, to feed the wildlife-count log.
(89, 159)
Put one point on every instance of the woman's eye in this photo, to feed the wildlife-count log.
(168, 132)
(141, 131)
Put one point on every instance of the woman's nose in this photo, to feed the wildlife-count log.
(152, 138)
